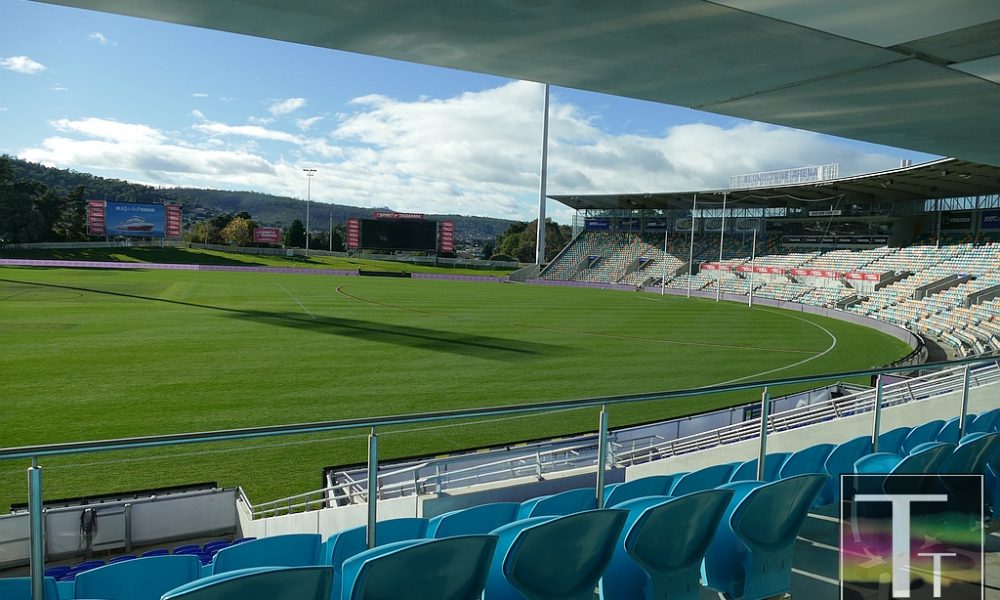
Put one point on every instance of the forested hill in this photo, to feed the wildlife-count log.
(266, 209)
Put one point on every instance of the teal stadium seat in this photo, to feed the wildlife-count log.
(138, 579)
(654, 485)
(704, 479)
(750, 557)
(926, 432)
(19, 588)
(475, 519)
(554, 558)
(805, 461)
(772, 466)
(261, 583)
(453, 568)
(662, 546)
(291, 550)
(841, 462)
(563, 503)
(892, 441)
(351, 542)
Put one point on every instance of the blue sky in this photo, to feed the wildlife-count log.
(178, 106)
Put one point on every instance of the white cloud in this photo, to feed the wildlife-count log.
(100, 38)
(197, 114)
(199, 95)
(475, 153)
(250, 131)
(306, 124)
(59, 88)
(22, 64)
(284, 107)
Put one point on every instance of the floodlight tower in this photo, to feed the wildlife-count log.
(309, 175)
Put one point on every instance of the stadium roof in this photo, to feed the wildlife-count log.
(944, 178)
(918, 75)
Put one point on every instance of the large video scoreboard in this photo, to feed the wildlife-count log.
(400, 231)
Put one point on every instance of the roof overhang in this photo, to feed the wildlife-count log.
(944, 178)
(916, 75)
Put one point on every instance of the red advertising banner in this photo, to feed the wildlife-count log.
(96, 217)
(381, 214)
(174, 225)
(353, 234)
(861, 276)
(716, 267)
(816, 273)
(446, 237)
(267, 235)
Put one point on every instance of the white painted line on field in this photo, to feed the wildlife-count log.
(815, 576)
(801, 362)
(297, 301)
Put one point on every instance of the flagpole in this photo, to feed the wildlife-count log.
(722, 237)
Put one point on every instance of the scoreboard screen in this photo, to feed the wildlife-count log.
(401, 234)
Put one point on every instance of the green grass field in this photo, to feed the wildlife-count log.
(91, 354)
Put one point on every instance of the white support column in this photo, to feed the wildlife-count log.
(694, 205)
(722, 238)
(663, 269)
(753, 259)
(540, 235)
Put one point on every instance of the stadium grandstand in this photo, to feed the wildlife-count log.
(763, 498)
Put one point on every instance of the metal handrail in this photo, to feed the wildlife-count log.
(35, 504)
(245, 433)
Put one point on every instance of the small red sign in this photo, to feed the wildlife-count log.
(446, 237)
(267, 235)
(96, 215)
(353, 234)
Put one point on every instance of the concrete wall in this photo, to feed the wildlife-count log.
(832, 432)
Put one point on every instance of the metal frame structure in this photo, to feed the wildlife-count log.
(35, 453)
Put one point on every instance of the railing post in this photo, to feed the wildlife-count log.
(877, 421)
(36, 533)
(602, 455)
(372, 487)
(965, 402)
(765, 409)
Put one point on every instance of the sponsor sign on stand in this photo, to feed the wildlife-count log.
(267, 235)
(353, 234)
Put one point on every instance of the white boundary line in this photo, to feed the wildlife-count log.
(309, 312)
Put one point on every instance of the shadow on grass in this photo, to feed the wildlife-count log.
(479, 346)
(152, 255)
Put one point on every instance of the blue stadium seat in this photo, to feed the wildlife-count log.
(772, 466)
(926, 432)
(19, 588)
(475, 519)
(351, 542)
(986, 422)
(892, 441)
(554, 558)
(973, 454)
(261, 583)
(654, 485)
(750, 556)
(563, 503)
(291, 550)
(662, 546)
(187, 549)
(926, 458)
(805, 461)
(124, 558)
(453, 568)
(841, 462)
(139, 579)
(949, 433)
(703, 479)
(155, 552)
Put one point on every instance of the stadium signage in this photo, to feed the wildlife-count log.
(843, 240)
(716, 267)
(446, 237)
(661, 225)
(353, 234)
(685, 224)
(598, 224)
(764, 270)
(174, 226)
(990, 219)
(956, 221)
(825, 213)
(742, 225)
(267, 235)
(816, 273)
(862, 276)
(96, 213)
(713, 224)
(382, 214)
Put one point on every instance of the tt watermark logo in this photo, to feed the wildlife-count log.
(911, 536)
